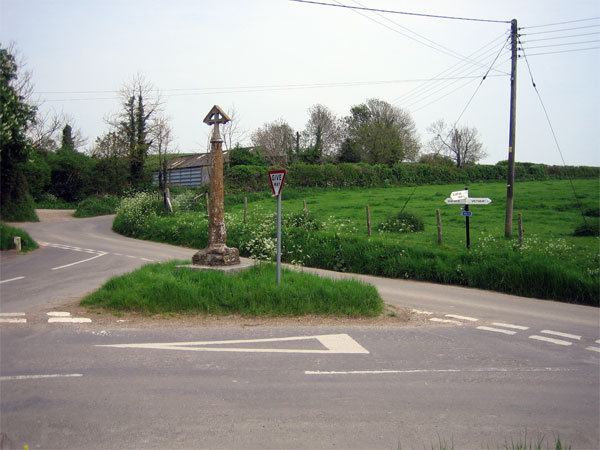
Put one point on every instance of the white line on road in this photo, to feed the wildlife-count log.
(333, 343)
(78, 262)
(19, 314)
(13, 320)
(497, 330)
(146, 259)
(510, 325)
(409, 371)
(69, 320)
(11, 279)
(594, 349)
(59, 314)
(566, 335)
(551, 340)
(470, 319)
(435, 319)
(418, 311)
(598, 341)
(38, 377)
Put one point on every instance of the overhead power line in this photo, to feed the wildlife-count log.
(559, 30)
(559, 23)
(564, 51)
(387, 11)
(562, 45)
(561, 37)
(177, 92)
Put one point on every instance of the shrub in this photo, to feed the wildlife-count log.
(135, 214)
(402, 222)
(592, 212)
(97, 205)
(588, 229)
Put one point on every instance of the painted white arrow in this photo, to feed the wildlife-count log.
(334, 344)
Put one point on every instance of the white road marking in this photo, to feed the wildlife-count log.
(59, 314)
(497, 330)
(146, 259)
(594, 349)
(19, 314)
(334, 343)
(38, 377)
(598, 341)
(566, 335)
(418, 311)
(435, 319)
(409, 371)
(551, 340)
(470, 319)
(13, 320)
(78, 262)
(11, 279)
(510, 325)
(69, 320)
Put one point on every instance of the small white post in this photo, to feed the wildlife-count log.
(17, 241)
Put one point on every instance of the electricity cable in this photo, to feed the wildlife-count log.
(433, 16)
(456, 69)
(436, 46)
(559, 23)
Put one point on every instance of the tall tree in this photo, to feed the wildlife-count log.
(382, 133)
(276, 141)
(140, 103)
(459, 143)
(163, 139)
(323, 132)
(16, 116)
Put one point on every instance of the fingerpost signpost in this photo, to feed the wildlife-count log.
(462, 198)
(277, 177)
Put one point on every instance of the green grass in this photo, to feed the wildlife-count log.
(97, 205)
(7, 235)
(160, 288)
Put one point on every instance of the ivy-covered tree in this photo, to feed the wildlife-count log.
(141, 103)
(16, 115)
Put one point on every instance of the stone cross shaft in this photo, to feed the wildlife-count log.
(217, 253)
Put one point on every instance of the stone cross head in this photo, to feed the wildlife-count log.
(215, 117)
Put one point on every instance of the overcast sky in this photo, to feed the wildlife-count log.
(273, 59)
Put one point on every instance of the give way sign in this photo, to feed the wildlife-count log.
(277, 177)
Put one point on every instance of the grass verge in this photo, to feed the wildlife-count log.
(160, 288)
(7, 235)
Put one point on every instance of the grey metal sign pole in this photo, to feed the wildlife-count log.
(279, 238)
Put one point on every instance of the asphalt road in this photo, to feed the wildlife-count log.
(490, 369)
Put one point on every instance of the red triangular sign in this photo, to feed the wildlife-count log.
(277, 178)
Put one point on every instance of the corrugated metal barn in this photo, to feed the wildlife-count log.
(191, 170)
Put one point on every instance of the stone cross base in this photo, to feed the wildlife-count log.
(217, 256)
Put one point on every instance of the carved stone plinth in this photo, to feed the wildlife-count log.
(217, 256)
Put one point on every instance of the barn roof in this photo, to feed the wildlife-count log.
(199, 160)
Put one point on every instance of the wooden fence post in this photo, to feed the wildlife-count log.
(439, 227)
(368, 220)
(305, 210)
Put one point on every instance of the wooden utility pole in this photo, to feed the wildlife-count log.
(510, 182)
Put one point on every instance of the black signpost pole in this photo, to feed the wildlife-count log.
(467, 221)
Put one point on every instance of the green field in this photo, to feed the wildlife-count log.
(549, 208)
